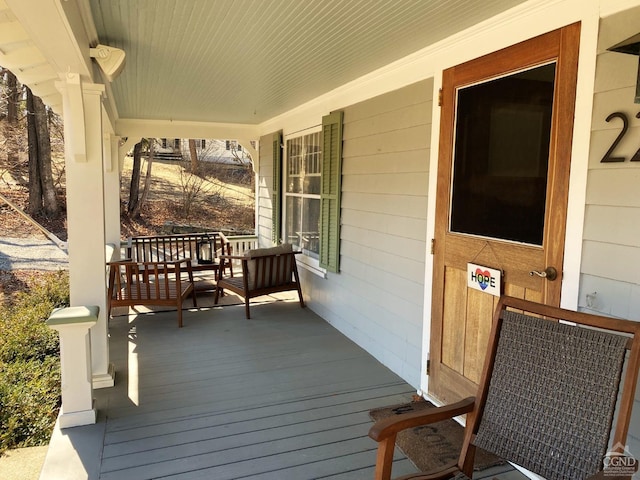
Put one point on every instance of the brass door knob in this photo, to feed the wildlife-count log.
(549, 273)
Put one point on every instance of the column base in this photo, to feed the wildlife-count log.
(105, 380)
(77, 419)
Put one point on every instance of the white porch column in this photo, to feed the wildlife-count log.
(112, 191)
(82, 107)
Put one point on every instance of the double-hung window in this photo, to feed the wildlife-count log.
(312, 179)
(303, 176)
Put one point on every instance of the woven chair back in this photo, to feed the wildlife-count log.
(552, 396)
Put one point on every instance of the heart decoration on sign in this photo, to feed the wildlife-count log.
(483, 278)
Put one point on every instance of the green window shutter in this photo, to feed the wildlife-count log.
(276, 201)
(330, 192)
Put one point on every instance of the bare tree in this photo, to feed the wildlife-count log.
(147, 179)
(195, 164)
(193, 189)
(134, 188)
(12, 125)
(42, 193)
(35, 185)
(137, 199)
(13, 99)
(237, 154)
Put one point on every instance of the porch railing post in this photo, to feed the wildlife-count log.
(74, 325)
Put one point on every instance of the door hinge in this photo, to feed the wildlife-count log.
(428, 367)
(433, 246)
(440, 97)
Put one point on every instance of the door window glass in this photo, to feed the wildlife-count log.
(501, 152)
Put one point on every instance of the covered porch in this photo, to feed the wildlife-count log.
(383, 69)
(283, 395)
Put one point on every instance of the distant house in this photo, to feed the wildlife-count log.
(209, 150)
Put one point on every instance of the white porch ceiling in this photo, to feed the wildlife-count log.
(224, 61)
(245, 61)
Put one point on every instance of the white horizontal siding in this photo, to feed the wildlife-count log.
(610, 278)
(377, 299)
(410, 206)
(612, 261)
(616, 187)
(609, 224)
(399, 247)
(341, 302)
(409, 183)
(391, 224)
(385, 162)
(265, 190)
(614, 298)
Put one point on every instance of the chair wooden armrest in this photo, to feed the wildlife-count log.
(385, 427)
(385, 431)
(122, 261)
(183, 261)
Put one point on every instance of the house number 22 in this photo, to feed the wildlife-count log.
(608, 157)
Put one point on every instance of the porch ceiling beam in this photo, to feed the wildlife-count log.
(38, 74)
(182, 129)
(40, 49)
(139, 128)
(24, 55)
(11, 31)
(57, 31)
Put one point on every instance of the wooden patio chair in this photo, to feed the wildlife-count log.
(264, 271)
(546, 398)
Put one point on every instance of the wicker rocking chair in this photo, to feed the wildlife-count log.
(546, 398)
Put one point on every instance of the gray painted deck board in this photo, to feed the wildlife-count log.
(281, 396)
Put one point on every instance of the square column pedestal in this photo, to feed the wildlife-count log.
(74, 324)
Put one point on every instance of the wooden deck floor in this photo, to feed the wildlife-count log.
(281, 396)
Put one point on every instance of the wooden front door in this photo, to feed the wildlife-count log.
(503, 176)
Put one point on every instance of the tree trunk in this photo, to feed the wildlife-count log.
(42, 192)
(134, 189)
(35, 185)
(147, 182)
(13, 98)
(195, 164)
(49, 198)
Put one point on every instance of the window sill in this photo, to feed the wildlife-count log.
(312, 265)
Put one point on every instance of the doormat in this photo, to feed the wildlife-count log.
(433, 446)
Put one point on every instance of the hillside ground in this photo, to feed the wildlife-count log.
(224, 201)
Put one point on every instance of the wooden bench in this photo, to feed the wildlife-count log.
(161, 248)
(264, 271)
(150, 283)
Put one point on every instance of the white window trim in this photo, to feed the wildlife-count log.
(311, 265)
(304, 261)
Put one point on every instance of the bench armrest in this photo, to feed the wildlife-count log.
(120, 262)
(234, 257)
(247, 257)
